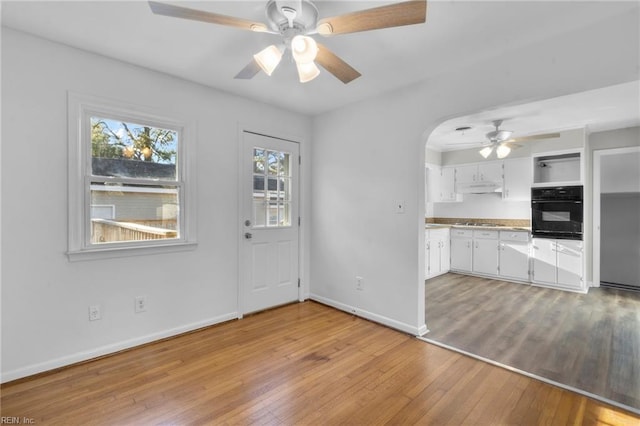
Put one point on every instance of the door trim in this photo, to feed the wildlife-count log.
(277, 134)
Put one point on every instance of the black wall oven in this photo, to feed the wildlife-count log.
(557, 212)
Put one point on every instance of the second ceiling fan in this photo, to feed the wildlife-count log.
(296, 21)
(502, 142)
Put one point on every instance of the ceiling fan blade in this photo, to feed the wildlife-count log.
(200, 15)
(393, 15)
(336, 66)
(248, 72)
(534, 137)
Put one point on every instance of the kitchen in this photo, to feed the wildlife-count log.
(485, 222)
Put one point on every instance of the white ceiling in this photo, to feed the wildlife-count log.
(597, 110)
(456, 34)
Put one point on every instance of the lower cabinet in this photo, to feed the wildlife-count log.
(514, 255)
(485, 252)
(436, 252)
(461, 250)
(558, 263)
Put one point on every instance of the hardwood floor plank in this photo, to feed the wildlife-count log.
(299, 364)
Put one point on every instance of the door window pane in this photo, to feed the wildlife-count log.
(271, 188)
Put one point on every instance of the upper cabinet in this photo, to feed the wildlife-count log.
(440, 184)
(482, 172)
(559, 168)
(518, 175)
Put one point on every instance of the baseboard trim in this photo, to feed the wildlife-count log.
(79, 357)
(534, 376)
(380, 319)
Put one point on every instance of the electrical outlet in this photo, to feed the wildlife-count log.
(95, 313)
(140, 304)
(359, 283)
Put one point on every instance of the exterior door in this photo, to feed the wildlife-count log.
(269, 241)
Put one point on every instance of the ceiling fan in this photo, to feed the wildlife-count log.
(502, 142)
(296, 21)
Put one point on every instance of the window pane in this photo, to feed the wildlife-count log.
(258, 160)
(125, 149)
(137, 213)
(284, 169)
(285, 214)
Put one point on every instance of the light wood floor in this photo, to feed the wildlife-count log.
(300, 364)
(590, 342)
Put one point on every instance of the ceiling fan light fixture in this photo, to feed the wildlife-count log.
(486, 151)
(325, 29)
(502, 151)
(268, 58)
(304, 49)
(307, 71)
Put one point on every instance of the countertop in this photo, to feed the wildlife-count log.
(477, 227)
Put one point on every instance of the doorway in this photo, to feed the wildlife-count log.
(616, 227)
(269, 258)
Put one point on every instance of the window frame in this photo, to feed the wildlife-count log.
(81, 108)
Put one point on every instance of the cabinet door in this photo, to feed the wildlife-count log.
(434, 258)
(461, 254)
(432, 186)
(465, 174)
(569, 261)
(447, 184)
(427, 248)
(518, 175)
(544, 260)
(490, 172)
(445, 254)
(485, 256)
(514, 260)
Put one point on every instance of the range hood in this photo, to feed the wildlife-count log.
(482, 187)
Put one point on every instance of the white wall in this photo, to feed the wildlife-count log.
(377, 152)
(45, 298)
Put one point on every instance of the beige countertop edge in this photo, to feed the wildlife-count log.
(490, 228)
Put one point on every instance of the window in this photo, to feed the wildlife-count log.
(128, 180)
(271, 188)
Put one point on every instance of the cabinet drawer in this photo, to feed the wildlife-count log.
(486, 235)
(514, 236)
(461, 233)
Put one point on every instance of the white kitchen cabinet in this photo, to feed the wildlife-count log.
(461, 250)
(448, 184)
(558, 263)
(432, 184)
(485, 252)
(436, 252)
(483, 172)
(514, 255)
(518, 176)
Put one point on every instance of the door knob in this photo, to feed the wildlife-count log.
(248, 235)
(247, 222)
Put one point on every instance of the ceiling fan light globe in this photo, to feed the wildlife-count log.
(268, 58)
(325, 29)
(307, 71)
(486, 151)
(502, 151)
(304, 49)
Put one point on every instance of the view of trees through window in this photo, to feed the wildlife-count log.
(134, 182)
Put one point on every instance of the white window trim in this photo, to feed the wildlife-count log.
(80, 106)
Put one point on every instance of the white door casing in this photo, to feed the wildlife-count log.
(269, 264)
